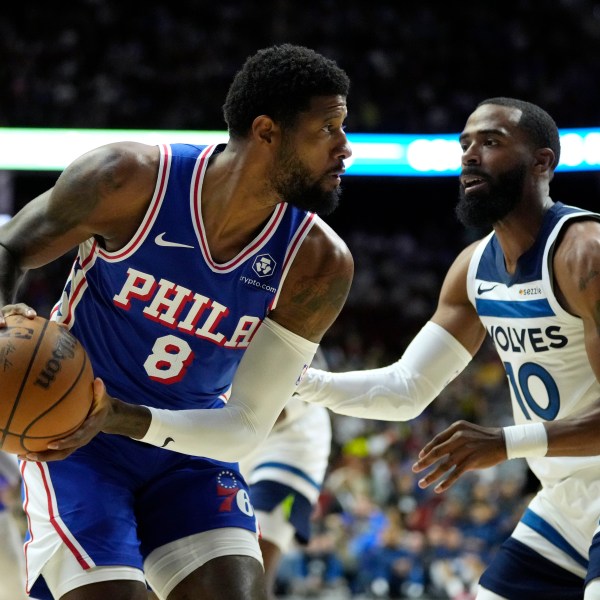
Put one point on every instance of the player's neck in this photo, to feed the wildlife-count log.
(235, 205)
(518, 231)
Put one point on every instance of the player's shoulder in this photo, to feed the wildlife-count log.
(186, 150)
(572, 222)
(107, 190)
(576, 226)
(317, 283)
(325, 248)
(463, 259)
(583, 227)
(579, 241)
(117, 159)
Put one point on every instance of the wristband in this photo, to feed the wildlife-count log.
(525, 441)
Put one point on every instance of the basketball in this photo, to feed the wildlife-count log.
(45, 384)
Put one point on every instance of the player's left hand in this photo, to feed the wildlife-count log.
(460, 448)
(99, 412)
(16, 309)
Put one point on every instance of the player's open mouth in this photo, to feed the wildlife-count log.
(471, 182)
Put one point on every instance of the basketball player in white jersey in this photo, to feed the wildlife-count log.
(533, 285)
(285, 474)
(203, 284)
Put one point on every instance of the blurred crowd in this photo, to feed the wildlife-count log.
(415, 67)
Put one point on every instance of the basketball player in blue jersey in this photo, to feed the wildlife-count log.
(533, 285)
(203, 283)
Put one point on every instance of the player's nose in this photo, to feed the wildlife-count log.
(344, 149)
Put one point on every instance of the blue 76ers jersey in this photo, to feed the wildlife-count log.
(163, 323)
(541, 345)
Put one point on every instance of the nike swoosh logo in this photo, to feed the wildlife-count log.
(167, 441)
(482, 290)
(159, 240)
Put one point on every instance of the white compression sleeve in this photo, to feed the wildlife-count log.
(296, 406)
(398, 392)
(266, 377)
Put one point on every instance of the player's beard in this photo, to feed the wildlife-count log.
(295, 184)
(483, 209)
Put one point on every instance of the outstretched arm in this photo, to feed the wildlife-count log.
(398, 392)
(402, 390)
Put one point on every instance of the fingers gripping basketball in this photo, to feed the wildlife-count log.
(45, 384)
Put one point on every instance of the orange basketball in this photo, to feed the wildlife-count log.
(45, 384)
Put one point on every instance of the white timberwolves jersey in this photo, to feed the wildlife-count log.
(540, 344)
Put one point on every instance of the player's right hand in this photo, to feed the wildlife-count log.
(461, 447)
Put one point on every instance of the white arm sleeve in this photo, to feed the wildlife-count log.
(398, 392)
(296, 406)
(267, 375)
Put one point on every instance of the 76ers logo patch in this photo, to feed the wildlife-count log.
(229, 488)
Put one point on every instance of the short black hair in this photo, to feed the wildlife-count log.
(280, 82)
(535, 121)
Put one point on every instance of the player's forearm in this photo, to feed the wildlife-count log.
(575, 436)
(388, 394)
(10, 275)
(227, 434)
(127, 419)
(398, 392)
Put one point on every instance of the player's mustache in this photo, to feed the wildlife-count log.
(474, 172)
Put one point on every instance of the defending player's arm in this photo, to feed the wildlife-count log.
(402, 390)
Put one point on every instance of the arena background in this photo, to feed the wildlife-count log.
(415, 68)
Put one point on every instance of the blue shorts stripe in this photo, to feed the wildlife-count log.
(533, 520)
(290, 469)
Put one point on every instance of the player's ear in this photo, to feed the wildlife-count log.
(544, 160)
(264, 129)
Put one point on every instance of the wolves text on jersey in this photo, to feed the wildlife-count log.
(527, 339)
